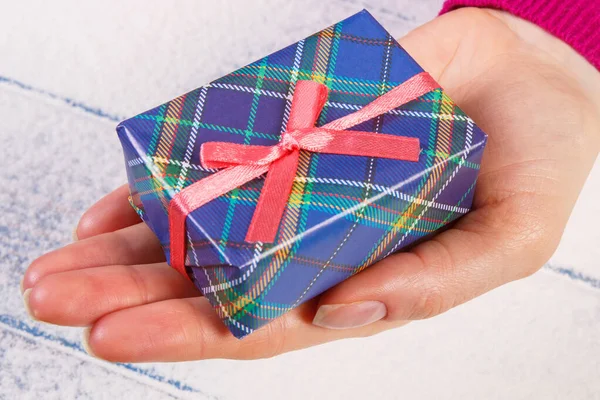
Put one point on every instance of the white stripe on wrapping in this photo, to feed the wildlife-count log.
(238, 281)
(233, 321)
(293, 80)
(135, 161)
(388, 190)
(238, 88)
(162, 160)
(192, 139)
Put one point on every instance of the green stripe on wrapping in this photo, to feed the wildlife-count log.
(239, 131)
(255, 100)
(343, 84)
(228, 221)
(451, 214)
(155, 185)
(453, 160)
(335, 45)
(157, 125)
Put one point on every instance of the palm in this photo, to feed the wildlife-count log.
(530, 177)
(512, 90)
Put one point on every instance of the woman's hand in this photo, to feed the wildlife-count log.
(534, 96)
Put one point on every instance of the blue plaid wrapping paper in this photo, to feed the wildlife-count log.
(344, 213)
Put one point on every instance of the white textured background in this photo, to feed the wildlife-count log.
(69, 70)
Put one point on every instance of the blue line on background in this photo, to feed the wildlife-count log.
(36, 332)
(574, 275)
(71, 102)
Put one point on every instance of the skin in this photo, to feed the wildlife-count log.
(534, 96)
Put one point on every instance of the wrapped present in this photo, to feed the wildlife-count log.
(280, 180)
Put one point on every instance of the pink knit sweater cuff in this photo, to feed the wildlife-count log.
(576, 22)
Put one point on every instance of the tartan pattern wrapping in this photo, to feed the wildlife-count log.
(344, 213)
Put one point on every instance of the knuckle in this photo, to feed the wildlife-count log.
(429, 301)
(275, 338)
(535, 253)
(536, 237)
(267, 342)
(138, 279)
(428, 296)
(538, 253)
(527, 229)
(192, 332)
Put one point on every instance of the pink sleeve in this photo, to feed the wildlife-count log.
(576, 22)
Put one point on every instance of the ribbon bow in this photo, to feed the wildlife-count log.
(243, 163)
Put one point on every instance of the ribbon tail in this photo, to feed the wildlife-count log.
(197, 195)
(273, 199)
(410, 90)
(224, 154)
(363, 144)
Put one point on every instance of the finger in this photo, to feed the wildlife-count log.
(136, 244)
(189, 329)
(110, 213)
(487, 248)
(80, 297)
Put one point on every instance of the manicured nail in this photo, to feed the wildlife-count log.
(353, 315)
(26, 294)
(74, 235)
(85, 341)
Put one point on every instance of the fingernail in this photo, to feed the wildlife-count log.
(21, 285)
(74, 235)
(353, 315)
(85, 341)
(26, 294)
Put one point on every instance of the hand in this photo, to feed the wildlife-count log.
(534, 96)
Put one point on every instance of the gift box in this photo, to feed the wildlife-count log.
(280, 180)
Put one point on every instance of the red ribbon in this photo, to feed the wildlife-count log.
(243, 163)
